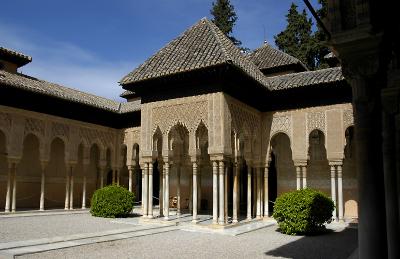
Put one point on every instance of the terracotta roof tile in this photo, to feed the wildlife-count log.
(307, 78)
(42, 87)
(267, 57)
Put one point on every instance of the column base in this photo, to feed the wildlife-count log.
(7, 211)
(248, 218)
(195, 221)
(83, 207)
(166, 218)
(234, 221)
(150, 217)
(41, 209)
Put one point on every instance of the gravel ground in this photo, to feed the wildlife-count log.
(263, 243)
(25, 228)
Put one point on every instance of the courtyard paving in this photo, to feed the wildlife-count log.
(83, 236)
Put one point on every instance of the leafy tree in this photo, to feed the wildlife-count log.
(299, 40)
(225, 18)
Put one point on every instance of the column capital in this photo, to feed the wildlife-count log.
(219, 157)
(13, 160)
(72, 163)
(335, 162)
(44, 164)
(300, 163)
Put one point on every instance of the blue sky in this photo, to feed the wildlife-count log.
(91, 45)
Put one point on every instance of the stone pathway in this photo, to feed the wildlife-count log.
(56, 234)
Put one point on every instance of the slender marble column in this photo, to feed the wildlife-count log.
(84, 193)
(266, 198)
(145, 196)
(71, 192)
(221, 193)
(113, 176)
(102, 170)
(340, 191)
(41, 206)
(235, 193)
(199, 188)
(226, 194)
(215, 192)
(166, 199)
(194, 192)
(14, 193)
(190, 194)
(178, 189)
(333, 189)
(150, 190)
(254, 197)
(143, 185)
(130, 172)
(298, 177)
(8, 194)
(66, 206)
(161, 190)
(118, 176)
(248, 192)
(304, 177)
(258, 171)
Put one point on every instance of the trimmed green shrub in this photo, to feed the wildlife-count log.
(303, 212)
(112, 201)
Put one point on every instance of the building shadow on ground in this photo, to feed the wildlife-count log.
(333, 245)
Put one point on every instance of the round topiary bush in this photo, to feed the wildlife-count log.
(112, 201)
(303, 212)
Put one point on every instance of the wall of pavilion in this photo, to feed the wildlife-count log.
(310, 147)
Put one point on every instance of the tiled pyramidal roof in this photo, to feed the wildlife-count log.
(43, 87)
(307, 78)
(267, 57)
(202, 45)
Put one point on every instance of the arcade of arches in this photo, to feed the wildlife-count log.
(207, 154)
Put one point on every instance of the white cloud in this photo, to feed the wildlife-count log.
(66, 63)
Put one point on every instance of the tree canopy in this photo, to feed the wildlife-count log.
(224, 17)
(300, 41)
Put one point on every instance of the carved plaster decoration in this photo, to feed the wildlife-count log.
(92, 135)
(60, 129)
(35, 126)
(188, 114)
(348, 118)
(316, 120)
(282, 123)
(244, 121)
(5, 121)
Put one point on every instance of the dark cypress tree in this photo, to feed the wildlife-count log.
(224, 16)
(320, 49)
(296, 39)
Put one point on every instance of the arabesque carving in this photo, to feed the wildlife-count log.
(34, 126)
(189, 114)
(316, 120)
